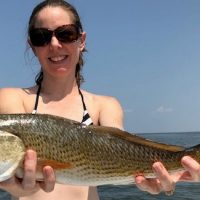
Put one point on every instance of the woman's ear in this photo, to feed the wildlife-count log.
(32, 47)
(82, 41)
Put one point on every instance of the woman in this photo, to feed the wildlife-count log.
(57, 92)
(57, 39)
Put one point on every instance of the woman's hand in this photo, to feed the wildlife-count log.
(164, 182)
(28, 185)
(192, 173)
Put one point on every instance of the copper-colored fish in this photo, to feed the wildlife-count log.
(79, 154)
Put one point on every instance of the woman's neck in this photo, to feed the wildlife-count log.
(59, 88)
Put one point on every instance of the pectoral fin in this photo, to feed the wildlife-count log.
(53, 163)
(41, 163)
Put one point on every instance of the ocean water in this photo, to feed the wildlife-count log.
(184, 191)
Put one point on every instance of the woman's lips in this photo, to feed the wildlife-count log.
(58, 58)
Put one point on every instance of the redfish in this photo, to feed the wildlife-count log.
(79, 154)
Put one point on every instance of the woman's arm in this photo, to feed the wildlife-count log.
(11, 102)
(111, 113)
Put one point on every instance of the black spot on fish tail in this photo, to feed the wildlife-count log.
(193, 148)
(194, 152)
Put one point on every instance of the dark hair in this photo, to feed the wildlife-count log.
(76, 20)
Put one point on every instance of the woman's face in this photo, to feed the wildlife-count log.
(57, 58)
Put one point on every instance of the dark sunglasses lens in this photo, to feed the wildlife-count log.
(67, 33)
(40, 36)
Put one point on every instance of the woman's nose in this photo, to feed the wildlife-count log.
(55, 42)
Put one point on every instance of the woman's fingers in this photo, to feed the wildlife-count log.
(30, 163)
(163, 182)
(49, 179)
(149, 185)
(30, 167)
(166, 182)
(193, 167)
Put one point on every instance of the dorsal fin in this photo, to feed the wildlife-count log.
(115, 132)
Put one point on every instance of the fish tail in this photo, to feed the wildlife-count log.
(194, 152)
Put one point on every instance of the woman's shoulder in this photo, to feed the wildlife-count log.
(11, 100)
(100, 99)
(17, 92)
(110, 111)
(9, 94)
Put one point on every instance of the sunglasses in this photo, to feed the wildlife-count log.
(42, 36)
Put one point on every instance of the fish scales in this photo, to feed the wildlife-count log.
(89, 155)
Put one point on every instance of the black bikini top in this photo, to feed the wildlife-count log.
(86, 117)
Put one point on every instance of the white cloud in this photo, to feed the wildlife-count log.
(163, 109)
(128, 110)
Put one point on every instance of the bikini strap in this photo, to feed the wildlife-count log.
(82, 98)
(86, 117)
(37, 99)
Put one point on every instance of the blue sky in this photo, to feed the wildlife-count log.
(146, 53)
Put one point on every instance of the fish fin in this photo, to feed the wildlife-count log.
(42, 163)
(126, 181)
(53, 163)
(133, 138)
(193, 148)
(194, 152)
(12, 152)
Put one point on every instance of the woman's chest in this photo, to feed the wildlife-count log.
(69, 108)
